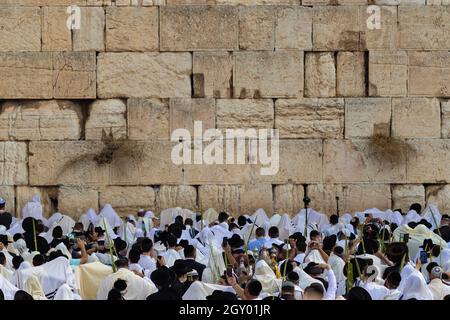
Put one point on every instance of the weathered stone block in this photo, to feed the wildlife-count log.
(105, 117)
(440, 196)
(127, 200)
(429, 73)
(213, 74)
(20, 29)
(363, 115)
(40, 120)
(220, 197)
(445, 117)
(177, 196)
(76, 200)
(359, 197)
(266, 74)
(147, 75)
(184, 112)
(255, 196)
(148, 119)
(189, 28)
(323, 198)
(55, 34)
(132, 29)
(293, 29)
(428, 161)
(310, 118)
(245, 113)
(404, 195)
(350, 74)
(349, 161)
(90, 37)
(424, 28)
(382, 37)
(388, 73)
(24, 194)
(8, 194)
(256, 28)
(288, 198)
(13, 163)
(416, 118)
(320, 75)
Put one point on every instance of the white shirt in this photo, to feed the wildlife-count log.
(147, 263)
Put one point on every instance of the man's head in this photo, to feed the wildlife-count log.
(301, 246)
(314, 291)
(242, 221)
(274, 232)
(253, 289)
(416, 207)
(223, 217)
(436, 273)
(393, 280)
(189, 222)
(190, 252)
(445, 220)
(146, 245)
(260, 233)
(293, 277)
(288, 291)
(57, 232)
(38, 260)
(179, 220)
(134, 256)
(314, 235)
(121, 263)
(3, 241)
(171, 241)
(334, 219)
(16, 262)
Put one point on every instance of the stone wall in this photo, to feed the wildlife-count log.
(362, 113)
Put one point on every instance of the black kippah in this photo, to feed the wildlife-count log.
(120, 285)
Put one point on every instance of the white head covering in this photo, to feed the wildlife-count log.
(412, 215)
(216, 266)
(274, 220)
(284, 227)
(259, 216)
(210, 215)
(64, 293)
(432, 215)
(111, 216)
(199, 290)
(34, 209)
(268, 279)
(416, 287)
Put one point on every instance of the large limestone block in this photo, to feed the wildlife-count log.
(429, 73)
(310, 118)
(183, 196)
(76, 200)
(333, 2)
(293, 28)
(189, 28)
(127, 200)
(424, 28)
(256, 28)
(323, 198)
(404, 195)
(267, 74)
(55, 34)
(428, 161)
(132, 29)
(288, 198)
(388, 73)
(220, 197)
(416, 118)
(106, 116)
(382, 37)
(255, 196)
(47, 196)
(350, 74)
(8, 193)
(40, 120)
(74, 75)
(26, 75)
(245, 113)
(351, 161)
(445, 109)
(213, 74)
(20, 29)
(90, 36)
(148, 119)
(440, 196)
(364, 115)
(320, 74)
(67, 163)
(146, 75)
(184, 112)
(13, 163)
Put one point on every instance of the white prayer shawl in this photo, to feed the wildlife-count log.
(170, 256)
(186, 214)
(305, 279)
(8, 274)
(215, 267)
(127, 232)
(345, 218)
(220, 232)
(65, 222)
(376, 291)
(109, 230)
(89, 217)
(207, 237)
(88, 277)
(337, 264)
(34, 288)
(9, 259)
(376, 263)
(443, 257)
(314, 256)
(34, 209)
(432, 215)
(266, 226)
(111, 216)
(395, 217)
(137, 288)
(16, 228)
(265, 275)
(411, 216)
(274, 220)
(259, 217)
(210, 215)
(51, 275)
(406, 272)
(167, 216)
(54, 218)
(247, 232)
(199, 290)
(394, 294)
(62, 247)
(285, 227)
(64, 293)
(314, 217)
(416, 287)
(8, 289)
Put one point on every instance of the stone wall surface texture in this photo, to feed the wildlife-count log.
(87, 113)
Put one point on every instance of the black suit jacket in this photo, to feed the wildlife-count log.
(197, 266)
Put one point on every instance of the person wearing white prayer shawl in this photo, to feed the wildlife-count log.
(376, 290)
(438, 289)
(89, 217)
(4, 249)
(8, 289)
(64, 293)
(415, 288)
(4, 271)
(148, 256)
(199, 290)
(274, 220)
(215, 267)
(137, 288)
(110, 215)
(273, 238)
(34, 209)
(265, 275)
(284, 227)
(316, 291)
(337, 264)
(171, 254)
(221, 230)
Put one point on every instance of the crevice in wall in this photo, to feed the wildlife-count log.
(366, 72)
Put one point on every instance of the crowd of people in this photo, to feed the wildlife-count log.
(186, 255)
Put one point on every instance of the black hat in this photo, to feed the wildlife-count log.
(426, 223)
(235, 241)
(445, 233)
(27, 224)
(427, 244)
(358, 293)
(180, 268)
(221, 295)
(4, 239)
(162, 277)
(395, 251)
(312, 268)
